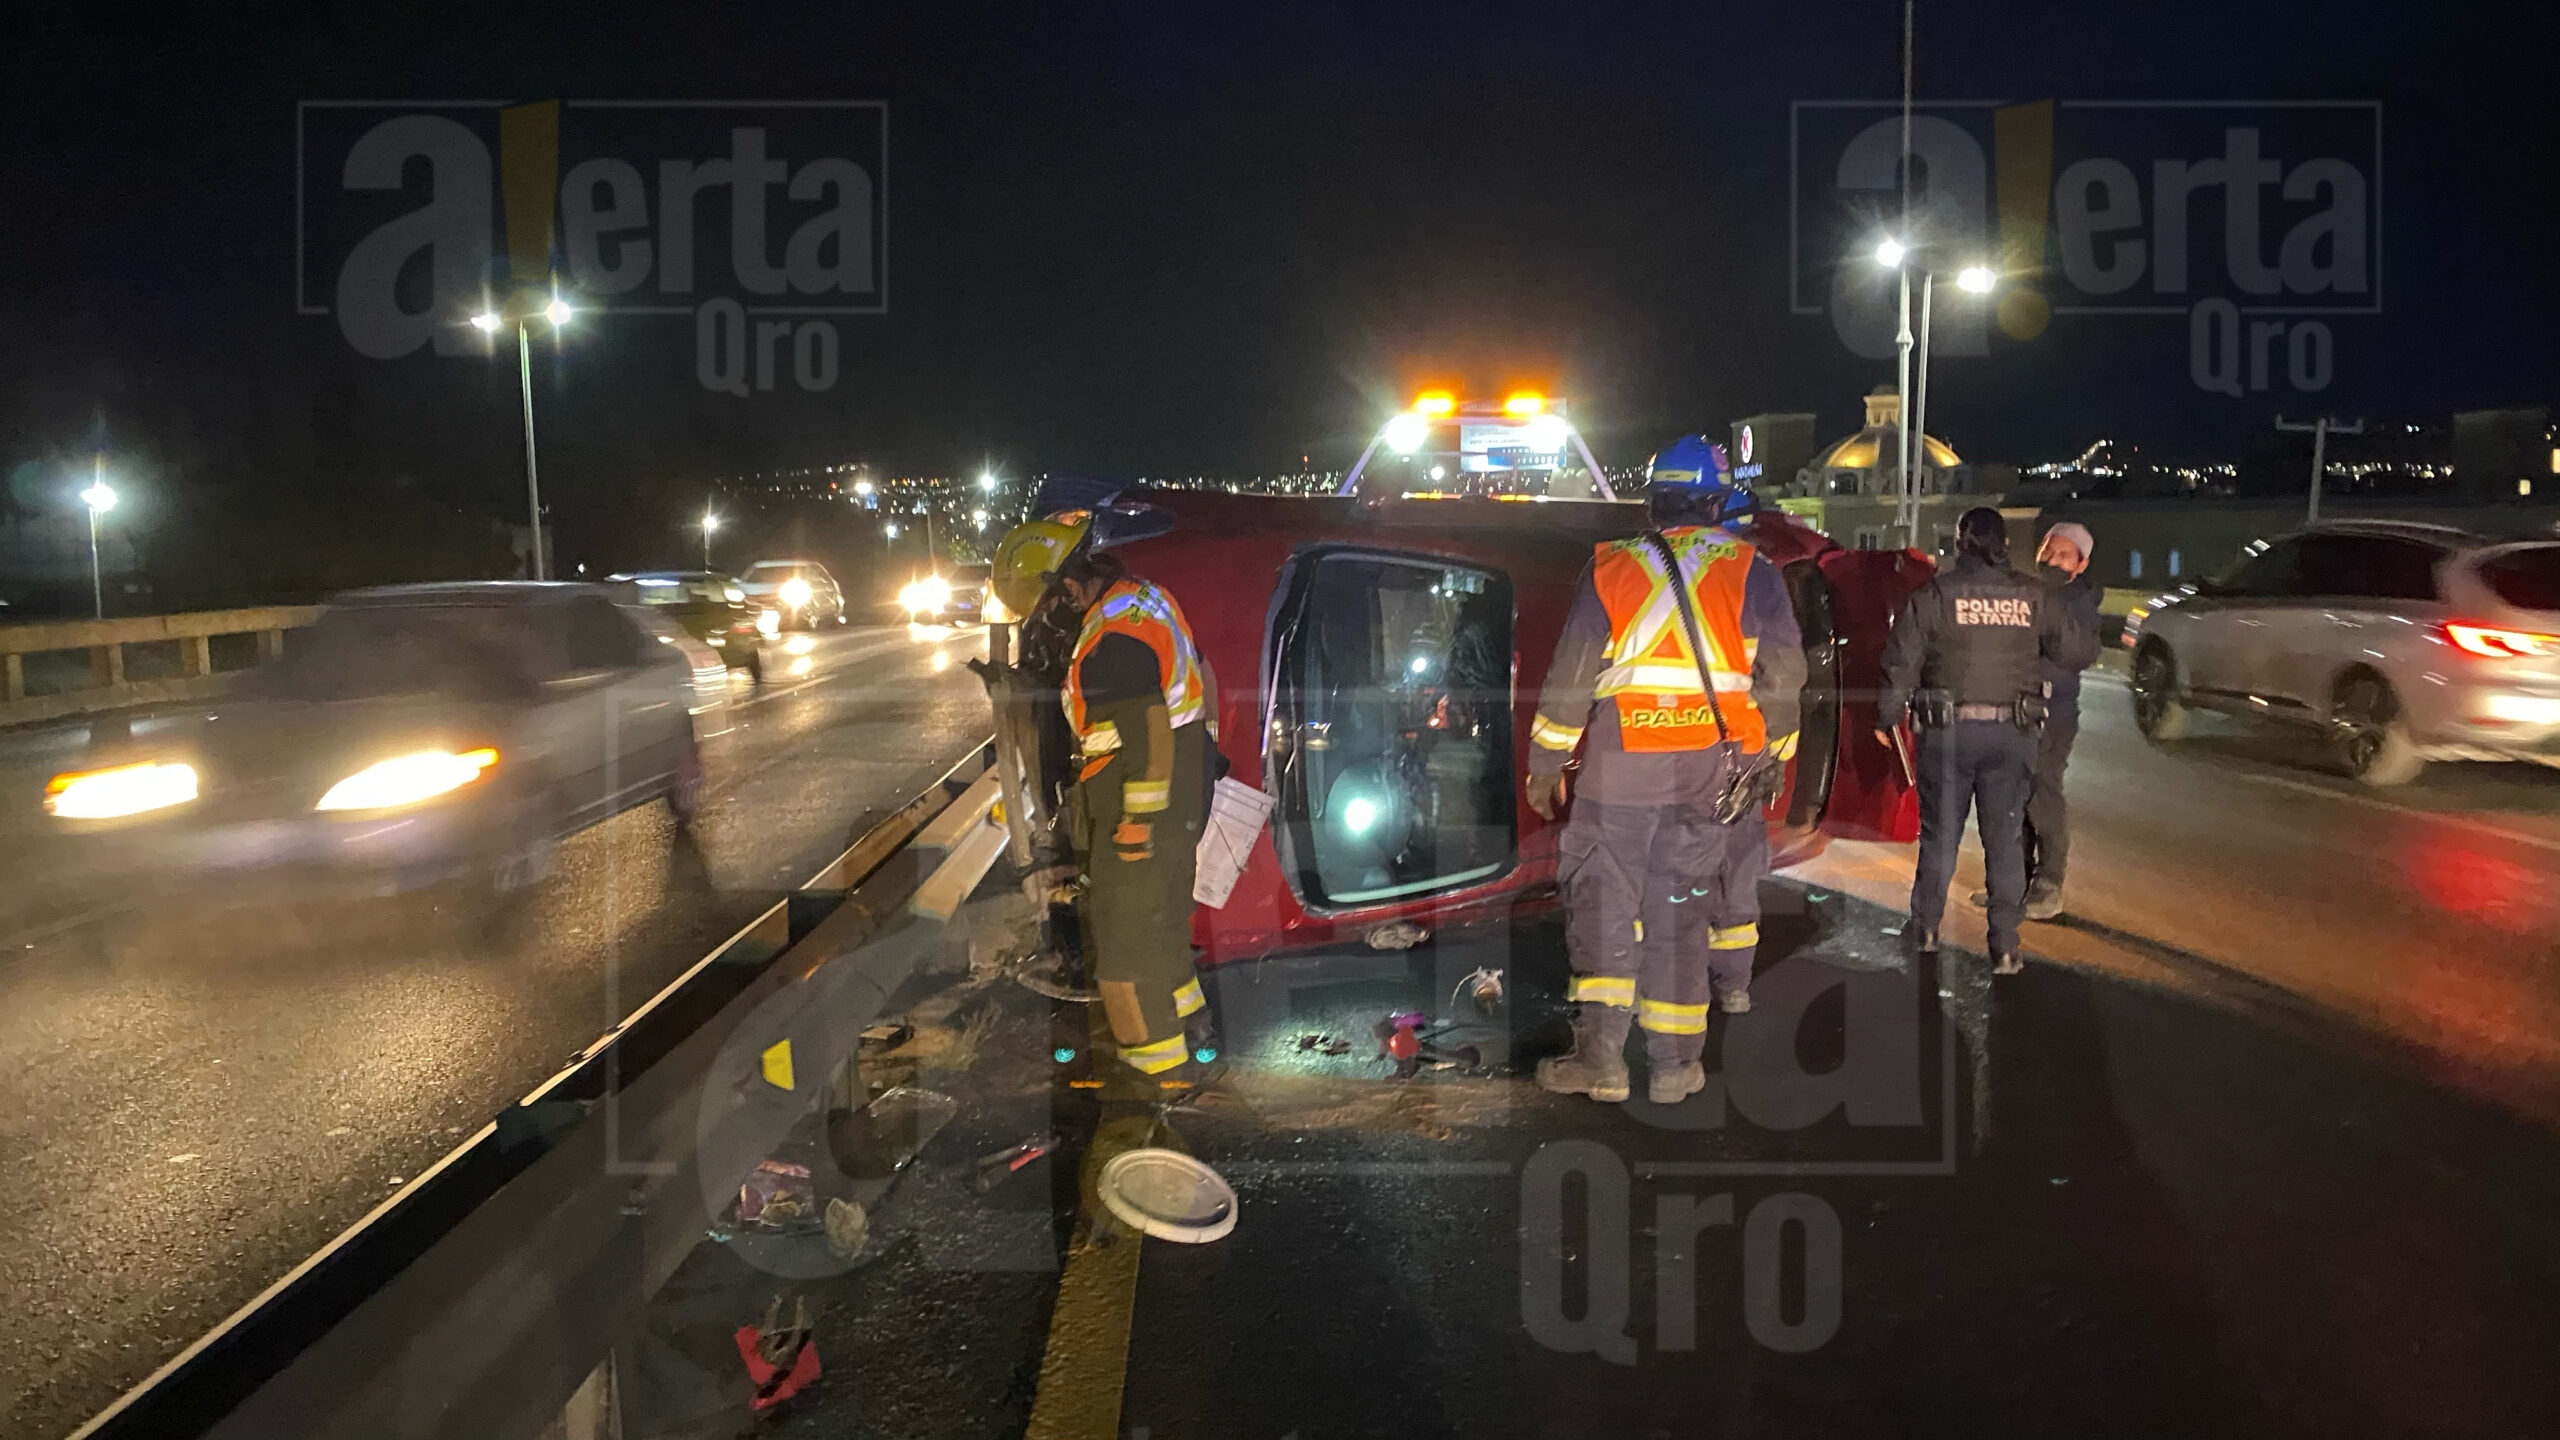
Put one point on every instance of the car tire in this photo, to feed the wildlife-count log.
(2369, 733)
(684, 791)
(2158, 712)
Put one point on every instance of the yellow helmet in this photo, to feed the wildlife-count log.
(1031, 551)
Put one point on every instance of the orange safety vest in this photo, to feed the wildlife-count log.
(1136, 608)
(1650, 672)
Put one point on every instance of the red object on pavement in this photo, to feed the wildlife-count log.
(773, 1386)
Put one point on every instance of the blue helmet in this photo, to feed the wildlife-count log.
(1691, 478)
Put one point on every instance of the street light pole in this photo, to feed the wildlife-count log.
(2321, 429)
(532, 476)
(1915, 436)
(99, 499)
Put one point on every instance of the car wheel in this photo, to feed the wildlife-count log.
(529, 851)
(2157, 711)
(684, 792)
(2369, 734)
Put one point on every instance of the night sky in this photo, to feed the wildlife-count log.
(1124, 240)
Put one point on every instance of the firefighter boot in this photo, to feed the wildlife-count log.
(1673, 1084)
(1589, 1068)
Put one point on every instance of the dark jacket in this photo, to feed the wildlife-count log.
(1979, 632)
(2078, 600)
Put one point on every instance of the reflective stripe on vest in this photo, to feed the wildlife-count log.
(1149, 615)
(1650, 673)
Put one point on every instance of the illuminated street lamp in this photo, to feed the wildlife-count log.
(521, 314)
(1973, 280)
(100, 500)
(710, 524)
(987, 482)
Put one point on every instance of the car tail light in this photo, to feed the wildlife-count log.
(2493, 643)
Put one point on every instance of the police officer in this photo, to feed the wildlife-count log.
(1662, 898)
(1962, 661)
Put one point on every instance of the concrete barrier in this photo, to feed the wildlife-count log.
(109, 687)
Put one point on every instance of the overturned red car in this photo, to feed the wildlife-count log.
(1378, 662)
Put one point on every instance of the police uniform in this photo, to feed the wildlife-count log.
(1962, 657)
(1135, 654)
(1663, 903)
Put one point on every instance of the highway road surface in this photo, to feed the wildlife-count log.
(2264, 1142)
(188, 1118)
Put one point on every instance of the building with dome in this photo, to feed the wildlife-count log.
(1849, 489)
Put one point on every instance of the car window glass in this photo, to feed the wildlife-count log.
(2372, 567)
(1401, 676)
(2265, 574)
(365, 653)
(2528, 579)
(595, 636)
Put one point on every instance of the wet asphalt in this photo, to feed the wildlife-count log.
(2069, 1203)
(197, 1102)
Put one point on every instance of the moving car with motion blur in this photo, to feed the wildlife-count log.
(800, 591)
(1378, 662)
(410, 736)
(711, 607)
(954, 595)
(2396, 643)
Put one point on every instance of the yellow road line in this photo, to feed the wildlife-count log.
(1085, 1368)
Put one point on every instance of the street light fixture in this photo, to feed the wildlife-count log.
(1889, 253)
(100, 500)
(1977, 279)
(710, 524)
(1973, 280)
(987, 482)
(521, 314)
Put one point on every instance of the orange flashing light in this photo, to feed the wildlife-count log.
(1435, 402)
(1524, 403)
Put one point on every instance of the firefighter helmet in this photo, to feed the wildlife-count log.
(1031, 552)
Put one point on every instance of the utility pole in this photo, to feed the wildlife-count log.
(2320, 429)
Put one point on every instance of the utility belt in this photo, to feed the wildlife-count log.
(1936, 710)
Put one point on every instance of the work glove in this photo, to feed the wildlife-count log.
(1546, 794)
(1134, 840)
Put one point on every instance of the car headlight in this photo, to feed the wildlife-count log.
(123, 790)
(733, 594)
(407, 779)
(795, 592)
(768, 622)
(930, 593)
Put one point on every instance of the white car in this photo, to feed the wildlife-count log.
(800, 591)
(2400, 643)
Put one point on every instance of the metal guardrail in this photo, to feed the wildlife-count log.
(476, 1300)
(105, 641)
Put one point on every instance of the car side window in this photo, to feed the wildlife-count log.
(2267, 574)
(2369, 567)
(598, 637)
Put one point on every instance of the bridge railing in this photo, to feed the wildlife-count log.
(56, 649)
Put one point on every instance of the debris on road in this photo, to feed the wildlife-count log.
(848, 1228)
(1002, 1165)
(1169, 1195)
(880, 1139)
(776, 1193)
(780, 1357)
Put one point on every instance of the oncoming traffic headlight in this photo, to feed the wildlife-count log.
(123, 790)
(768, 622)
(407, 779)
(795, 591)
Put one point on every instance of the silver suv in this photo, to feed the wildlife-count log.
(2400, 643)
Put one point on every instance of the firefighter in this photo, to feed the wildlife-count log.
(1962, 661)
(1138, 699)
(1662, 898)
